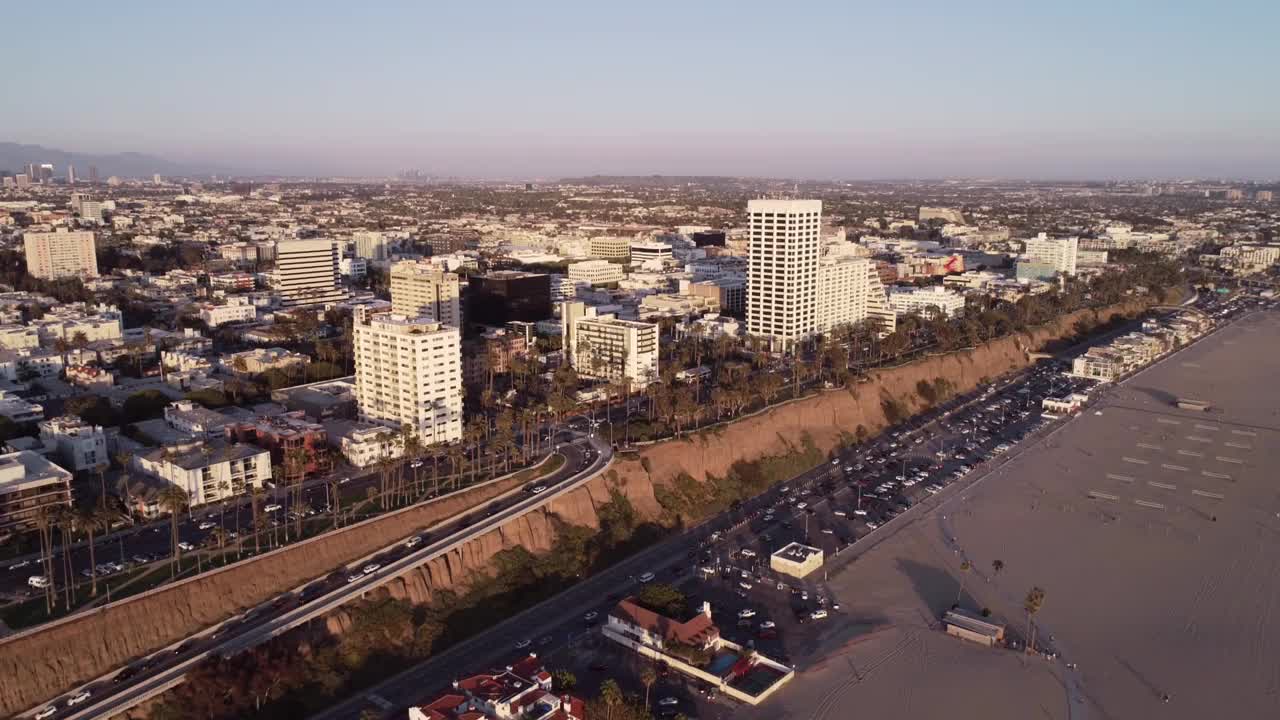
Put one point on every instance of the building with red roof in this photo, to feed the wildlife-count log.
(521, 691)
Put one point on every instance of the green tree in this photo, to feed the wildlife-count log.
(1031, 605)
(174, 500)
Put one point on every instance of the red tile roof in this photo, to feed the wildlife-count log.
(697, 631)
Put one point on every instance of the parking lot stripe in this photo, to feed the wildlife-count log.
(1242, 446)
(1179, 468)
(1190, 364)
(1149, 446)
(1197, 438)
(1149, 504)
(1250, 433)
(1167, 421)
(1191, 453)
(1205, 493)
(1220, 476)
(1200, 426)
(1225, 459)
(1162, 486)
(1136, 461)
(1099, 495)
(1121, 478)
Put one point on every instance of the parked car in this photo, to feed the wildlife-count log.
(371, 568)
(646, 577)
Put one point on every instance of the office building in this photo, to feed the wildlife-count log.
(730, 292)
(29, 482)
(93, 174)
(307, 272)
(60, 254)
(1057, 253)
(1264, 196)
(595, 272)
(371, 245)
(444, 244)
(44, 174)
(409, 372)
(22, 180)
(425, 289)
(606, 348)
(850, 291)
(71, 174)
(505, 296)
(642, 252)
(782, 279)
(610, 247)
(708, 238)
(922, 301)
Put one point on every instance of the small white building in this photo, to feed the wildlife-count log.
(79, 445)
(796, 560)
(595, 272)
(212, 471)
(947, 303)
(235, 310)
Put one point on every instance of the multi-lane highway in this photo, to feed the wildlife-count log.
(146, 678)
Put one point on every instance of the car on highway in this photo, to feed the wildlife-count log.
(271, 507)
(818, 614)
(668, 702)
(522, 644)
(186, 546)
(413, 542)
(590, 617)
(539, 489)
(78, 698)
(646, 577)
(353, 578)
(371, 568)
(47, 711)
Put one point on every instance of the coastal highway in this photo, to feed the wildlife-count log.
(166, 668)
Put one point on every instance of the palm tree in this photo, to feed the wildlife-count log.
(256, 494)
(965, 567)
(174, 499)
(123, 459)
(457, 463)
(45, 520)
(90, 521)
(224, 488)
(101, 469)
(1031, 605)
(66, 521)
(335, 499)
(996, 567)
(611, 696)
(647, 677)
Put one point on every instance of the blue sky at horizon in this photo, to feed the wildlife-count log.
(852, 89)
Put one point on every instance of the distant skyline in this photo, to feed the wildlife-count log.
(822, 90)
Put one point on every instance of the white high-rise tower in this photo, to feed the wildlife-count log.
(782, 279)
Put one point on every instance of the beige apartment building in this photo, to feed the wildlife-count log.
(606, 348)
(782, 274)
(60, 254)
(409, 372)
(424, 289)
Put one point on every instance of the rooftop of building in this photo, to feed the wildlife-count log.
(25, 467)
(210, 453)
(797, 552)
(694, 631)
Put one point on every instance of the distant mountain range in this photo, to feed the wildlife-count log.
(15, 156)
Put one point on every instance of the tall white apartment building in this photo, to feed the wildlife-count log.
(409, 371)
(212, 471)
(850, 291)
(606, 348)
(371, 245)
(948, 303)
(782, 275)
(307, 272)
(60, 254)
(425, 289)
(1058, 253)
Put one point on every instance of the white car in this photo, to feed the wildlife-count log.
(835, 461)
(767, 625)
(828, 531)
(746, 613)
(646, 577)
(591, 616)
(539, 489)
(78, 698)
(745, 585)
(207, 525)
(872, 524)
(668, 702)
(353, 578)
(38, 581)
(840, 513)
(860, 512)
(801, 505)
(370, 569)
(186, 546)
(273, 507)
(413, 542)
(47, 711)
(524, 644)
(818, 614)
(747, 552)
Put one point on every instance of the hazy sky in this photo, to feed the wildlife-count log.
(839, 89)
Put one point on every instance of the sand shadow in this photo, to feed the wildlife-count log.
(937, 588)
(1155, 690)
(1161, 396)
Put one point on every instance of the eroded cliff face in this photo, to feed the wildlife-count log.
(61, 656)
(826, 420)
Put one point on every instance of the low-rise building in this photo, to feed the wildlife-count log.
(19, 410)
(595, 272)
(90, 376)
(796, 560)
(922, 300)
(78, 445)
(195, 420)
(285, 435)
(235, 310)
(28, 483)
(521, 691)
(604, 347)
(260, 360)
(324, 400)
(965, 625)
(363, 444)
(210, 471)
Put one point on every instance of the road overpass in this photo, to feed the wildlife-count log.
(585, 458)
